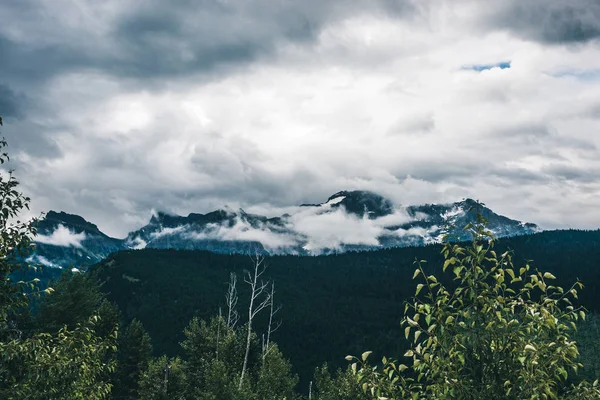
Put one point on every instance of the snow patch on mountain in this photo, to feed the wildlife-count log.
(335, 200)
(455, 211)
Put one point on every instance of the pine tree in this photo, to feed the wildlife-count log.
(164, 379)
(133, 357)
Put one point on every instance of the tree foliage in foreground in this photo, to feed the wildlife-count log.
(70, 363)
(338, 386)
(501, 332)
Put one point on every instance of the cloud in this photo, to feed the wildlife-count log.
(174, 39)
(37, 259)
(316, 229)
(241, 230)
(550, 21)
(265, 104)
(62, 236)
(137, 243)
(331, 230)
(10, 102)
(167, 232)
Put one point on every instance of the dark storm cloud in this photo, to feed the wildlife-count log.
(34, 137)
(9, 102)
(27, 63)
(171, 39)
(551, 21)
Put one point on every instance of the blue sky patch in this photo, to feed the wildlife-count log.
(483, 67)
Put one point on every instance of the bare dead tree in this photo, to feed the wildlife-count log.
(232, 299)
(219, 332)
(272, 327)
(259, 300)
(166, 379)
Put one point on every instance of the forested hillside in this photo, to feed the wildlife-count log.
(331, 305)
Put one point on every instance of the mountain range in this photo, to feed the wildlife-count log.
(347, 221)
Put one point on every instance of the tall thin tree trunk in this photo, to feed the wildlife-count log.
(256, 291)
(248, 338)
(218, 333)
(166, 380)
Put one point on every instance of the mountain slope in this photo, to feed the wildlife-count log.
(65, 240)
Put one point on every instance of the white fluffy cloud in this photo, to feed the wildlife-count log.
(315, 229)
(242, 231)
(368, 96)
(62, 236)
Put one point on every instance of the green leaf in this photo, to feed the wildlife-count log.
(530, 347)
(417, 334)
(365, 355)
(419, 287)
(548, 275)
(446, 263)
(417, 271)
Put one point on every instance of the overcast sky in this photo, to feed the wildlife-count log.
(113, 108)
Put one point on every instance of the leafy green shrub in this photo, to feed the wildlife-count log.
(500, 332)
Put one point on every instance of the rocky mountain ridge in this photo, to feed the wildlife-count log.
(347, 221)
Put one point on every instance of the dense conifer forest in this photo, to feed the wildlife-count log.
(331, 305)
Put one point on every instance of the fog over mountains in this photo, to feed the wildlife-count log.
(348, 220)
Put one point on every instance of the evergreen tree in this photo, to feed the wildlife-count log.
(164, 379)
(75, 298)
(133, 357)
(340, 386)
(214, 354)
(588, 341)
(275, 378)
